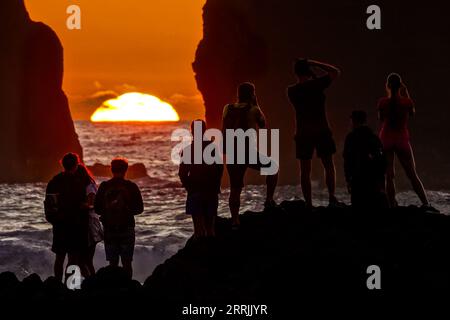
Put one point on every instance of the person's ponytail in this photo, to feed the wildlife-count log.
(394, 83)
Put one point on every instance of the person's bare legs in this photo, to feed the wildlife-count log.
(128, 267)
(406, 158)
(210, 225)
(74, 259)
(78, 260)
(198, 225)
(59, 266)
(271, 182)
(330, 177)
(305, 181)
(235, 204)
(390, 179)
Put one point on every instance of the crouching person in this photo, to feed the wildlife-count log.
(365, 165)
(202, 182)
(117, 202)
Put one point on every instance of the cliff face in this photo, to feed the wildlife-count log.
(258, 40)
(36, 126)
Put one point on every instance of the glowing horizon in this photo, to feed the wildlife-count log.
(127, 46)
(135, 107)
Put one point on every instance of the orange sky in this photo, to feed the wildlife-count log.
(127, 45)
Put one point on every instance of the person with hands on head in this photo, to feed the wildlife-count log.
(313, 130)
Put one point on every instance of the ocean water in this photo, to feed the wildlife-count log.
(25, 236)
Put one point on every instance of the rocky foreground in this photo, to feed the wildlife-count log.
(277, 258)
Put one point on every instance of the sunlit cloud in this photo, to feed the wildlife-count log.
(135, 107)
(189, 107)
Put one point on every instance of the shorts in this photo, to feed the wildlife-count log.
(201, 203)
(323, 143)
(395, 141)
(120, 245)
(69, 239)
(236, 172)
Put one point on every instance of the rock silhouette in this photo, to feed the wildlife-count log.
(36, 126)
(276, 258)
(258, 40)
(135, 171)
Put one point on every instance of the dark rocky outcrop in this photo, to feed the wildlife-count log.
(36, 127)
(280, 258)
(258, 40)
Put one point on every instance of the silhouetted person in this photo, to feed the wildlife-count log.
(365, 165)
(117, 202)
(202, 183)
(313, 131)
(95, 229)
(394, 112)
(246, 114)
(65, 210)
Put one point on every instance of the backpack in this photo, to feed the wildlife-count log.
(51, 207)
(63, 199)
(236, 118)
(116, 217)
(374, 160)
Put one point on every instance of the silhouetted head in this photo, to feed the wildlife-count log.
(198, 122)
(119, 167)
(302, 68)
(359, 118)
(85, 175)
(247, 93)
(70, 162)
(393, 84)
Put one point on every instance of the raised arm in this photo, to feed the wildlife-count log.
(333, 71)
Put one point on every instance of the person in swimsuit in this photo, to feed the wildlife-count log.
(394, 112)
(246, 115)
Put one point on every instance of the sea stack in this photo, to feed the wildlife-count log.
(36, 126)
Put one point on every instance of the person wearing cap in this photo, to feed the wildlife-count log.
(313, 131)
(364, 165)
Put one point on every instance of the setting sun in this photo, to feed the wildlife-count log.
(137, 107)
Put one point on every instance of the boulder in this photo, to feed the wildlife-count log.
(135, 171)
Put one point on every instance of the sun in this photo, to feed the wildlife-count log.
(135, 107)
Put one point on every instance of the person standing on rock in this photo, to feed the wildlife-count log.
(65, 209)
(202, 183)
(394, 112)
(117, 202)
(364, 165)
(313, 130)
(246, 115)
